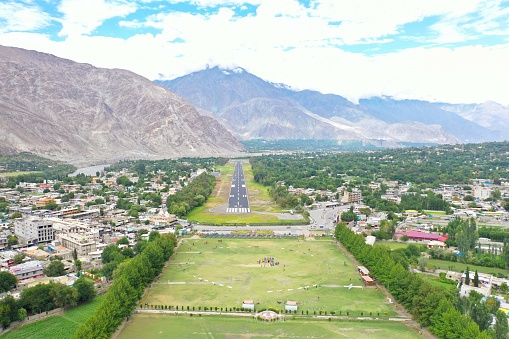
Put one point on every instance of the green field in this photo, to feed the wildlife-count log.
(184, 326)
(13, 174)
(232, 263)
(259, 201)
(392, 245)
(461, 267)
(59, 326)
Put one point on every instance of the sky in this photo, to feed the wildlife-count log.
(453, 51)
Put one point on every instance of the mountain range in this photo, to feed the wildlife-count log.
(252, 108)
(79, 113)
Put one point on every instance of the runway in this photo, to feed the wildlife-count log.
(238, 201)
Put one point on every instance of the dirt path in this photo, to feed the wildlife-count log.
(398, 307)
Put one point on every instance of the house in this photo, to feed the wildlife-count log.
(291, 306)
(422, 236)
(364, 272)
(27, 270)
(248, 304)
(436, 244)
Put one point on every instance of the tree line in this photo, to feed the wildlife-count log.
(192, 195)
(432, 306)
(130, 279)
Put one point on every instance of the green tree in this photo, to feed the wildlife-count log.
(501, 326)
(476, 279)
(123, 241)
(467, 276)
(55, 269)
(63, 295)
(8, 281)
(85, 288)
(153, 236)
(12, 240)
(18, 258)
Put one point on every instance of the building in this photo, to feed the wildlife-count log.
(248, 304)
(291, 306)
(34, 230)
(354, 197)
(364, 272)
(83, 243)
(422, 236)
(481, 192)
(27, 270)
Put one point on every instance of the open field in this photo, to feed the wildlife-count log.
(230, 273)
(461, 267)
(59, 326)
(259, 201)
(13, 174)
(184, 326)
(392, 245)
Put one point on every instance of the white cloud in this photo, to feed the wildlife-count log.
(286, 42)
(80, 17)
(19, 17)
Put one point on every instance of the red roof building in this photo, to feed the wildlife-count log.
(422, 236)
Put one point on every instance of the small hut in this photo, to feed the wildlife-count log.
(248, 304)
(291, 306)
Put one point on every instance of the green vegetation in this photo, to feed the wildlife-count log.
(191, 196)
(7, 281)
(131, 278)
(461, 267)
(31, 168)
(56, 327)
(445, 313)
(235, 263)
(392, 245)
(184, 326)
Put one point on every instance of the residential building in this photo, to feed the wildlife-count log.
(481, 192)
(83, 243)
(355, 196)
(27, 270)
(34, 230)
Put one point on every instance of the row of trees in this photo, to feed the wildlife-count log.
(192, 195)
(432, 306)
(130, 279)
(43, 298)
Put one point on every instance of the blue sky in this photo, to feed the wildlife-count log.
(439, 50)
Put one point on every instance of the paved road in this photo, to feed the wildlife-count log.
(238, 201)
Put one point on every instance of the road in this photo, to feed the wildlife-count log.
(238, 201)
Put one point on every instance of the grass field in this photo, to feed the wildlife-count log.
(13, 174)
(59, 326)
(184, 326)
(230, 273)
(461, 267)
(392, 245)
(259, 201)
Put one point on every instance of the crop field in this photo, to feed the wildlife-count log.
(56, 327)
(14, 174)
(223, 272)
(392, 245)
(259, 201)
(184, 326)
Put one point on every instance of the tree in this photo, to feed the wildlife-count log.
(85, 288)
(501, 326)
(476, 279)
(63, 295)
(77, 263)
(349, 216)
(8, 281)
(467, 277)
(75, 255)
(153, 236)
(12, 240)
(18, 258)
(123, 241)
(55, 269)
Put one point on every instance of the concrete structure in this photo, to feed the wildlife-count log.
(34, 231)
(30, 269)
(481, 192)
(354, 197)
(83, 243)
(248, 304)
(291, 306)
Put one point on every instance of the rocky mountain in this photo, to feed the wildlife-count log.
(252, 108)
(79, 113)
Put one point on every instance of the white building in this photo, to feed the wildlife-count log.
(481, 192)
(34, 231)
(27, 270)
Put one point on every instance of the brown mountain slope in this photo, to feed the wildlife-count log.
(76, 112)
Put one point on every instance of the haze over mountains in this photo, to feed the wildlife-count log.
(76, 112)
(252, 108)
